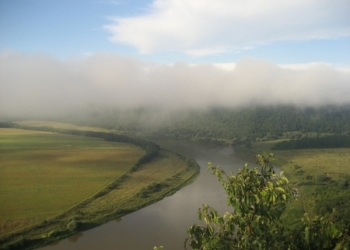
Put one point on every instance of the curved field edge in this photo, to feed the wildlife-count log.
(158, 174)
(43, 174)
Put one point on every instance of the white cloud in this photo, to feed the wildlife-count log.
(39, 85)
(201, 27)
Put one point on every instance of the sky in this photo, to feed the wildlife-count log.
(172, 53)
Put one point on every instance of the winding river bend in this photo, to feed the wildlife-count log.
(165, 222)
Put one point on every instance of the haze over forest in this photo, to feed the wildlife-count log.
(57, 57)
(40, 85)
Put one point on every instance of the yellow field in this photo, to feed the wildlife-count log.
(60, 125)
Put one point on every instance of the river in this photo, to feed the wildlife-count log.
(165, 222)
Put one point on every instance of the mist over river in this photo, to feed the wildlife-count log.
(165, 222)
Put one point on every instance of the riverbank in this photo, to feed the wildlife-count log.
(170, 170)
(161, 175)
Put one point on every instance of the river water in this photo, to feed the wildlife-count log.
(165, 222)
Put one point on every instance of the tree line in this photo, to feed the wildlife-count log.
(234, 125)
(322, 142)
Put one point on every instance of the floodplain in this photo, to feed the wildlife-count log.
(51, 181)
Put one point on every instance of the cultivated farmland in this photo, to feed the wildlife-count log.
(43, 174)
(59, 125)
(53, 185)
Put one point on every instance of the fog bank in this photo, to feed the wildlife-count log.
(39, 85)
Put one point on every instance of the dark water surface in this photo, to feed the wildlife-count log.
(165, 222)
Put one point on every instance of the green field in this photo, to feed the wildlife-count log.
(48, 180)
(331, 161)
(43, 174)
(168, 169)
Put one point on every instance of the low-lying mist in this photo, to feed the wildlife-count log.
(36, 85)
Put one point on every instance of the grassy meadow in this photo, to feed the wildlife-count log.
(43, 174)
(168, 169)
(51, 181)
(321, 176)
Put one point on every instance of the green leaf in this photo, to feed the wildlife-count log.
(285, 179)
(256, 198)
(284, 197)
(280, 189)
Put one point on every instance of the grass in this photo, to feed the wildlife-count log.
(302, 167)
(43, 174)
(168, 169)
(56, 184)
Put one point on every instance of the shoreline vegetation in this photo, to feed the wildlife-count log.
(321, 175)
(157, 174)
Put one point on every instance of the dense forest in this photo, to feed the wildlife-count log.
(235, 126)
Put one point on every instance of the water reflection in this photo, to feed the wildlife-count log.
(75, 237)
(54, 244)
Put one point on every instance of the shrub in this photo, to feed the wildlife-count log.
(296, 166)
(143, 193)
(321, 177)
(258, 197)
(300, 172)
(72, 225)
(344, 184)
(17, 244)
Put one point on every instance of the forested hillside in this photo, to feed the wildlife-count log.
(227, 124)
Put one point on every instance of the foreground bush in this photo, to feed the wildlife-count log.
(258, 197)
